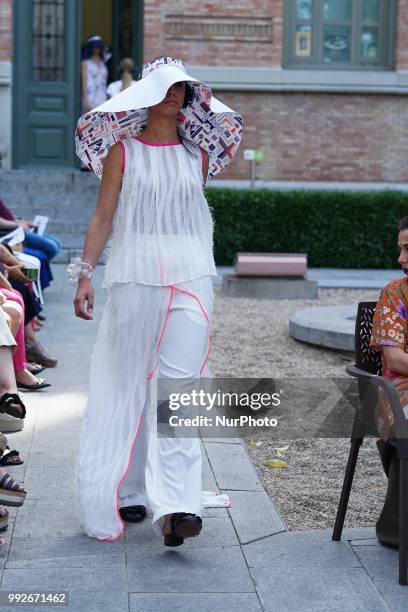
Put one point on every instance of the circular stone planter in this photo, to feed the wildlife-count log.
(328, 326)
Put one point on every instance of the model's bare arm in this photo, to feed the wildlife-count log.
(101, 223)
(100, 227)
(397, 359)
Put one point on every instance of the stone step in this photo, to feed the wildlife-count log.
(22, 188)
(73, 207)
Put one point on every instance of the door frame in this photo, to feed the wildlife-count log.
(137, 34)
(22, 65)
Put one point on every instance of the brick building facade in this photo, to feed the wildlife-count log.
(314, 123)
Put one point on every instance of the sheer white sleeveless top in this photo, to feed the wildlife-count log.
(162, 230)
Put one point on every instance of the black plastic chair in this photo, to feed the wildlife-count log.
(367, 370)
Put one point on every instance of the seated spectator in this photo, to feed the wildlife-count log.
(44, 247)
(390, 336)
(11, 492)
(34, 351)
(13, 305)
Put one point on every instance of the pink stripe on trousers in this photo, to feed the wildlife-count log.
(149, 376)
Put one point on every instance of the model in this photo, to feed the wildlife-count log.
(153, 145)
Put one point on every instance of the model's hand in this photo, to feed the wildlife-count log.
(84, 294)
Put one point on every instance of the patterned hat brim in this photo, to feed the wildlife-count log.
(207, 122)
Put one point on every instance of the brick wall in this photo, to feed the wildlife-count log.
(306, 136)
(243, 52)
(401, 53)
(6, 30)
(322, 137)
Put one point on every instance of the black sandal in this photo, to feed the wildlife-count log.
(183, 525)
(133, 514)
(5, 459)
(11, 492)
(6, 402)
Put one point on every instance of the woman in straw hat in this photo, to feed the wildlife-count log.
(155, 324)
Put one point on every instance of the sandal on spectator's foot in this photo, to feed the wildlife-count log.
(8, 400)
(41, 384)
(4, 518)
(11, 492)
(35, 368)
(11, 458)
(183, 525)
(41, 317)
(133, 514)
(35, 352)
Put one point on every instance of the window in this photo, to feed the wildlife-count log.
(48, 40)
(342, 34)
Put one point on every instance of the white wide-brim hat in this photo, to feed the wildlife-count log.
(206, 122)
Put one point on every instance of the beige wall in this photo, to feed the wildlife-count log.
(97, 19)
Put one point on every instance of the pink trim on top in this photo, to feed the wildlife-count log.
(123, 155)
(155, 144)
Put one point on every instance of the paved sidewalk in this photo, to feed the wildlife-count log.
(243, 561)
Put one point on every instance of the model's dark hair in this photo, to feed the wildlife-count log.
(189, 95)
(403, 224)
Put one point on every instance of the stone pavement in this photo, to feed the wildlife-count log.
(244, 560)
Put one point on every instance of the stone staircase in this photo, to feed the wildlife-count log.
(68, 198)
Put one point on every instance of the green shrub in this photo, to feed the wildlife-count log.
(336, 229)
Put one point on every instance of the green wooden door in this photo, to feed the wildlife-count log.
(46, 70)
(128, 32)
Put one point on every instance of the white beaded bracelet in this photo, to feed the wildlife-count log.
(77, 268)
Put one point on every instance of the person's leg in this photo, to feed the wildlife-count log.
(57, 243)
(15, 304)
(32, 306)
(173, 472)
(15, 307)
(45, 272)
(7, 378)
(46, 243)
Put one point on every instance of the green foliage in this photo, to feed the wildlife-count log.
(336, 229)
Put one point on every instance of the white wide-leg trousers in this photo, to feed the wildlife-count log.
(146, 333)
(165, 473)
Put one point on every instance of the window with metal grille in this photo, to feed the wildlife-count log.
(339, 34)
(48, 40)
